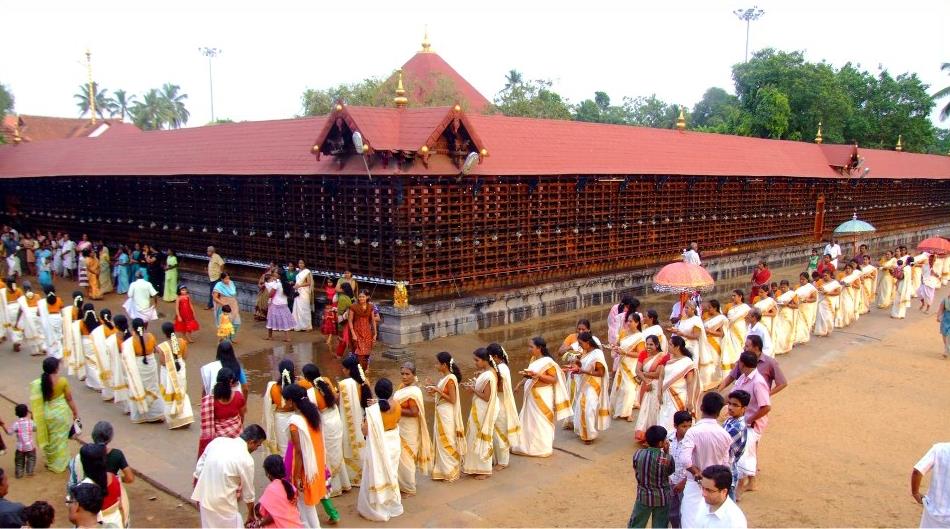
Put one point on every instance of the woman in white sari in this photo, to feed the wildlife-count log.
(693, 331)
(829, 290)
(886, 285)
(174, 382)
(277, 411)
(142, 346)
(507, 422)
(648, 372)
(545, 402)
(917, 273)
(72, 342)
(679, 389)
(868, 282)
(354, 396)
(93, 358)
(785, 326)
(651, 327)
(34, 341)
(322, 393)
(847, 310)
(303, 285)
(416, 450)
(107, 351)
(481, 418)
(448, 435)
(379, 499)
(769, 309)
(710, 370)
(902, 292)
(734, 341)
(625, 388)
(592, 402)
(807, 296)
(51, 321)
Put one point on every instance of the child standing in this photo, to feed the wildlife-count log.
(736, 426)
(278, 505)
(225, 328)
(185, 322)
(24, 428)
(653, 467)
(328, 328)
(813, 261)
(683, 421)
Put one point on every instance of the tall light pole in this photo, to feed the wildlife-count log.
(750, 14)
(210, 53)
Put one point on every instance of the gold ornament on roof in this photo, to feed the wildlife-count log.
(900, 143)
(818, 138)
(400, 100)
(400, 296)
(681, 120)
(426, 45)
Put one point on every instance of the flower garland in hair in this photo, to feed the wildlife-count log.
(139, 332)
(174, 345)
(504, 354)
(106, 318)
(285, 377)
(492, 362)
(359, 368)
(88, 312)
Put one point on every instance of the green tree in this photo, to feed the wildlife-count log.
(716, 111)
(104, 103)
(650, 111)
(123, 102)
(944, 92)
(770, 116)
(375, 92)
(175, 113)
(599, 110)
(6, 103)
(532, 99)
(151, 112)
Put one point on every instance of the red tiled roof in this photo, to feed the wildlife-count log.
(44, 128)
(423, 71)
(516, 146)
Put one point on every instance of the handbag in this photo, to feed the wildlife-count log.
(76, 428)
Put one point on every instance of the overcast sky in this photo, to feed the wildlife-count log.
(274, 50)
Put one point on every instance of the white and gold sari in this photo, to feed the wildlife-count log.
(331, 427)
(886, 284)
(917, 272)
(785, 326)
(710, 370)
(733, 343)
(543, 407)
(276, 423)
(649, 403)
(807, 312)
(625, 389)
(34, 342)
(174, 387)
(70, 357)
(52, 326)
(676, 391)
(507, 423)
(416, 449)
(765, 306)
(902, 294)
(827, 307)
(78, 355)
(656, 330)
(481, 425)
(848, 309)
(448, 435)
(696, 346)
(868, 283)
(592, 403)
(352, 416)
(379, 499)
(139, 400)
(97, 364)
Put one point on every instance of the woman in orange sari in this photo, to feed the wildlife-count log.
(362, 319)
(306, 457)
(92, 271)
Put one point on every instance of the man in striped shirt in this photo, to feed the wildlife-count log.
(653, 467)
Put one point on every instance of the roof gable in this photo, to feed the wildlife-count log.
(425, 69)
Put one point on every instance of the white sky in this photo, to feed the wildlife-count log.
(273, 50)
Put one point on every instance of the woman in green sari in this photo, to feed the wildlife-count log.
(53, 413)
(171, 277)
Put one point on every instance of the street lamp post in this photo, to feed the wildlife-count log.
(210, 53)
(749, 15)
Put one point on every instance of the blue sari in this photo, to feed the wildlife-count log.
(122, 274)
(229, 293)
(137, 258)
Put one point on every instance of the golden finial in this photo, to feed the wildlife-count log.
(426, 45)
(681, 120)
(900, 143)
(92, 87)
(818, 138)
(16, 131)
(401, 100)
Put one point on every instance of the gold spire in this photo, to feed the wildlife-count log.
(818, 138)
(92, 87)
(426, 45)
(16, 131)
(900, 143)
(400, 100)
(681, 120)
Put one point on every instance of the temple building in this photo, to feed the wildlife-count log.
(456, 202)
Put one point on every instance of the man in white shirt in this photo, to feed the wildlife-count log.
(691, 255)
(718, 509)
(705, 444)
(139, 304)
(224, 471)
(69, 257)
(756, 327)
(834, 250)
(936, 503)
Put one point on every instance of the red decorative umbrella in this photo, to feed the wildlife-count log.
(682, 277)
(935, 245)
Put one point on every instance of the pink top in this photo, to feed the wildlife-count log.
(274, 502)
(756, 386)
(706, 443)
(24, 428)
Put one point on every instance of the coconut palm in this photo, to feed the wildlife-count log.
(944, 92)
(513, 78)
(123, 105)
(177, 115)
(104, 103)
(151, 112)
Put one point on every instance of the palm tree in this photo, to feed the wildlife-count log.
(176, 113)
(944, 92)
(150, 113)
(513, 78)
(104, 103)
(123, 105)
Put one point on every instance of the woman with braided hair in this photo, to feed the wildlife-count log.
(172, 377)
(93, 359)
(354, 397)
(142, 345)
(107, 351)
(448, 433)
(305, 457)
(277, 410)
(379, 499)
(507, 423)
(481, 418)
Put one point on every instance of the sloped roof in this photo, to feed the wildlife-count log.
(516, 146)
(423, 71)
(44, 128)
